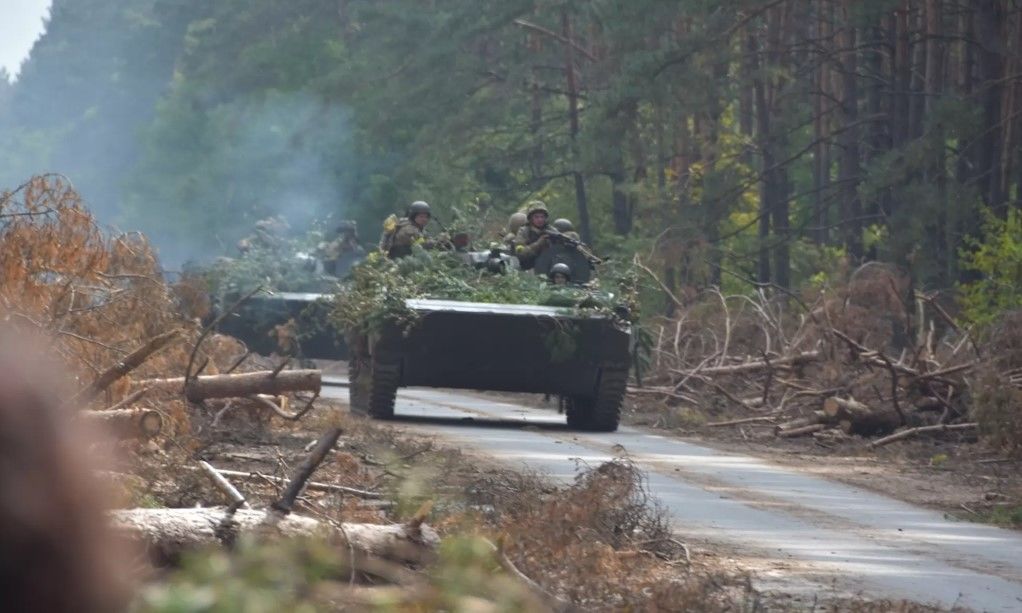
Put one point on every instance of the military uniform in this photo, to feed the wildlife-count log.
(531, 241)
(528, 245)
(405, 235)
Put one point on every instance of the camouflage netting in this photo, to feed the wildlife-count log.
(379, 288)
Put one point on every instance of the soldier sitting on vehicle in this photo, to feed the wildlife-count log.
(514, 224)
(560, 274)
(565, 227)
(343, 248)
(268, 234)
(532, 239)
(400, 235)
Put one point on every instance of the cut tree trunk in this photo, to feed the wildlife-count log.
(810, 429)
(799, 423)
(166, 533)
(855, 417)
(747, 367)
(241, 385)
(127, 423)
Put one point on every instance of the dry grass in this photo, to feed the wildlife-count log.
(601, 543)
(997, 390)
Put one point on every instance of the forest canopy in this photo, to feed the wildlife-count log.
(767, 140)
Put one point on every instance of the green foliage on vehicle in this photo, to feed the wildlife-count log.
(379, 288)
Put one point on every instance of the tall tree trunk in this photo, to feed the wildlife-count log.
(766, 184)
(822, 108)
(903, 75)
(581, 201)
(848, 142)
(536, 108)
(988, 21)
(917, 102)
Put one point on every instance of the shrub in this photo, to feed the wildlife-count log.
(998, 261)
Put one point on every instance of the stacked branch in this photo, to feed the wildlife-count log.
(858, 362)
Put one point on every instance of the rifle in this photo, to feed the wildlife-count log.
(556, 235)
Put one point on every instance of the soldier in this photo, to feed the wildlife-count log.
(560, 274)
(532, 239)
(268, 234)
(565, 227)
(339, 254)
(514, 224)
(397, 242)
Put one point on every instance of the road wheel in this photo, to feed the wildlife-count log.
(600, 413)
(383, 390)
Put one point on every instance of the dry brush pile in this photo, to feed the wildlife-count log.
(870, 359)
(196, 470)
(161, 387)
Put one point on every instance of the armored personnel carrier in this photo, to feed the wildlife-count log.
(578, 354)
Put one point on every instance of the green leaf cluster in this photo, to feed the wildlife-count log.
(997, 261)
(377, 292)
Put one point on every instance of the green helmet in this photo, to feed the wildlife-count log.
(560, 268)
(536, 206)
(563, 225)
(516, 221)
(416, 208)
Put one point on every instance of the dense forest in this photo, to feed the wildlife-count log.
(766, 140)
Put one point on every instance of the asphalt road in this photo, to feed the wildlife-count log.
(796, 531)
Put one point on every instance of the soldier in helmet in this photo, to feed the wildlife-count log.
(344, 249)
(565, 227)
(560, 274)
(408, 231)
(268, 234)
(532, 239)
(514, 224)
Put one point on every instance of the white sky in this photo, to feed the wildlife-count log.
(21, 23)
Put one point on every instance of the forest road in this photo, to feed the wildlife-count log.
(795, 531)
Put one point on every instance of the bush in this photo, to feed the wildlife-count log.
(998, 261)
(997, 402)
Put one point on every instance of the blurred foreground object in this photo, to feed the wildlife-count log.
(56, 551)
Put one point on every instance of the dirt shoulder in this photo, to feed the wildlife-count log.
(958, 477)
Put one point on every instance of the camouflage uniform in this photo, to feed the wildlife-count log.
(528, 245)
(406, 235)
(267, 234)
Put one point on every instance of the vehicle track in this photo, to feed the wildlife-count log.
(834, 537)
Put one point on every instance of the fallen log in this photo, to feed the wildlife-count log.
(240, 385)
(854, 417)
(311, 485)
(324, 445)
(166, 533)
(904, 434)
(126, 423)
(738, 422)
(125, 366)
(795, 360)
(810, 429)
(225, 486)
(816, 417)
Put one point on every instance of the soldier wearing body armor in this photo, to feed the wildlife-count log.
(340, 253)
(397, 242)
(269, 233)
(532, 239)
(565, 227)
(514, 224)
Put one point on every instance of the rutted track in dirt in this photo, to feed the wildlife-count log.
(835, 536)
